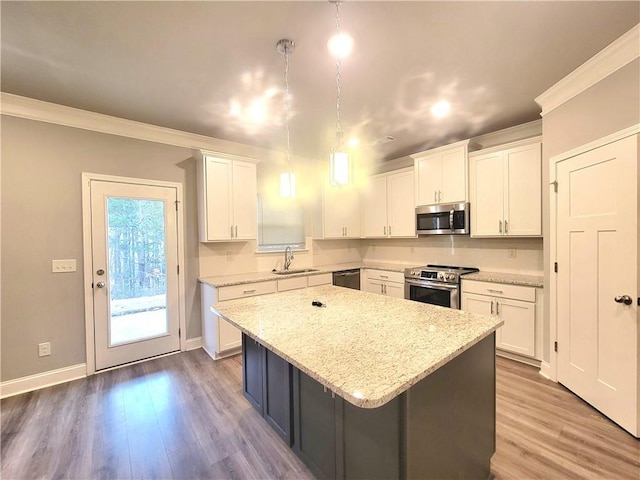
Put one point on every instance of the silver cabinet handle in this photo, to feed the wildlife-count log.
(384, 276)
(626, 299)
(500, 226)
(439, 196)
(491, 307)
(389, 229)
(236, 231)
(506, 226)
(100, 284)
(497, 308)
(246, 292)
(494, 291)
(231, 231)
(435, 196)
(384, 229)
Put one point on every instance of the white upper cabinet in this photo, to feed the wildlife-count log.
(389, 209)
(441, 174)
(341, 211)
(227, 196)
(506, 190)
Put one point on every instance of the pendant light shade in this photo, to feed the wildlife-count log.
(287, 184)
(339, 168)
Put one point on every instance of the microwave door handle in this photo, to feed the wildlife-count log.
(451, 219)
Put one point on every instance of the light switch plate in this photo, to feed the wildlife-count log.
(63, 266)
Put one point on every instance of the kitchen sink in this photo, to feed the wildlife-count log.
(295, 270)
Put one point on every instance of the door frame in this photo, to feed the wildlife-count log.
(87, 257)
(550, 369)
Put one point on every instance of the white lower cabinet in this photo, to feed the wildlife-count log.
(219, 337)
(518, 306)
(384, 283)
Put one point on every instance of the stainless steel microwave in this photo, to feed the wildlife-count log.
(443, 219)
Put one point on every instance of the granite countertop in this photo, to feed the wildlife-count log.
(242, 278)
(365, 347)
(507, 278)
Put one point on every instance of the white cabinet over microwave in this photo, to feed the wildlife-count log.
(441, 174)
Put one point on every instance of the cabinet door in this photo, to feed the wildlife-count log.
(523, 192)
(252, 377)
(244, 196)
(316, 437)
(428, 171)
(218, 198)
(341, 207)
(395, 290)
(374, 286)
(374, 216)
(277, 394)
(518, 332)
(473, 303)
(487, 195)
(401, 211)
(229, 337)
(334, 211)
(453, 186)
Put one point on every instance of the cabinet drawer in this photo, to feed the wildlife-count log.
(246, 290)
(292, 283)
(385, 276)
(322, 279)
(500, 290)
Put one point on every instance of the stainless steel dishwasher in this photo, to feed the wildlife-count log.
(347, 278)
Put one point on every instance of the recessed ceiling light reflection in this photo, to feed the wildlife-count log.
(340, 45)
(441, 109)
(353, 142)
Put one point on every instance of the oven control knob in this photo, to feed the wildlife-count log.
(451, 276)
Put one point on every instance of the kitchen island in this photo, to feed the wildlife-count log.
(370, 386)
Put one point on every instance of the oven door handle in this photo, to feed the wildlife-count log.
(433, 285)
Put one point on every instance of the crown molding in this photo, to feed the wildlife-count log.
(38, 110)
(615, 56)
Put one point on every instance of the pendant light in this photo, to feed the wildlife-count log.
(339, 165)
(287, 178)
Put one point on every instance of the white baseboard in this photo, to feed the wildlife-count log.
(194, 343)
(546, 372)
(42, 380)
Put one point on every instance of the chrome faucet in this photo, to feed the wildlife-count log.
(288, 256)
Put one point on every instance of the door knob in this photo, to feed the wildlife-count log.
(100, 284)
(626, 299)
(100, 271)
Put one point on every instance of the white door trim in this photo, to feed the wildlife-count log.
(550, 369)
(88, 273)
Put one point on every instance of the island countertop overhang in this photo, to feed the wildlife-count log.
(365, 347)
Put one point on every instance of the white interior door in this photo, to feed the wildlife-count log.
(134, 244)
(597, 225)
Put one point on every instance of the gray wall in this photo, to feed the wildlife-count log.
(607, 107)
(42, 220)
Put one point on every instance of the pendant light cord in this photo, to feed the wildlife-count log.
(287, 102)
(338, 124)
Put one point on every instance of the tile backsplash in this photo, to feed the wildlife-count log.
(513, 255)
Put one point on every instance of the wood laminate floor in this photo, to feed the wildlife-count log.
(184, 416)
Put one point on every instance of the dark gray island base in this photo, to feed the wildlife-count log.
(441, 427)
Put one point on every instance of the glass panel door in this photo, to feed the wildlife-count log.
(137, 270)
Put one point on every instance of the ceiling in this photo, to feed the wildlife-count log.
(182, 64)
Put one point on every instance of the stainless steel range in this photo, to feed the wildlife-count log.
(435, 284)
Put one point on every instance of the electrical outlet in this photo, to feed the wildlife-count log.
(63, 266)
(44, 349)
(513, 253)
